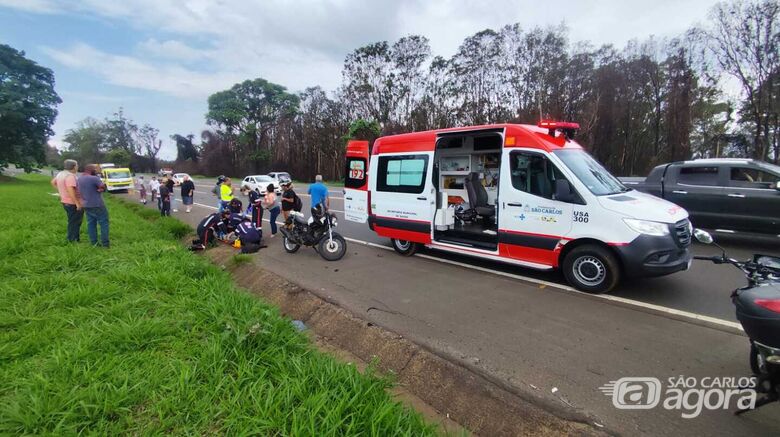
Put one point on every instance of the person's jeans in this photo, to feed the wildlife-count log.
(159, 203)
(274, 214)
(97, 216)
(75, 217)
(165, 209)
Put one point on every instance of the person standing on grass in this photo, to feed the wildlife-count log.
(187, 193)
(139, 185)
(170, 184)
(91, 189)
(271, 203)
(319, 194)
(66, 184)
(225, 193)
(165, 200)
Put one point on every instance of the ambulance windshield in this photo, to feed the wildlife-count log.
(598, 180)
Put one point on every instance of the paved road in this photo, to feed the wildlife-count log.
(702, 290)
(548, 342)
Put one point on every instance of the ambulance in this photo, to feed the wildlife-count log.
(527, 195)
(117, 179)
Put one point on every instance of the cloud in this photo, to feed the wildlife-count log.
(128, 71)
(173, 49)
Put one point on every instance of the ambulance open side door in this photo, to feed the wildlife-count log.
(356, 182)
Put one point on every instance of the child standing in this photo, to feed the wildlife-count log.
(154, 187)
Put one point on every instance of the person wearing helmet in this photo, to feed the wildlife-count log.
(290, 200)
(217, 190)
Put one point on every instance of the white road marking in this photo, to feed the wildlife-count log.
(623, 300)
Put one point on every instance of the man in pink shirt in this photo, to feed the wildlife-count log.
(65, 182)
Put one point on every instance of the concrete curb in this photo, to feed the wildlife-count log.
(474, 400)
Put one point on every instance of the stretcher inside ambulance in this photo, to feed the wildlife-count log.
(520, 194)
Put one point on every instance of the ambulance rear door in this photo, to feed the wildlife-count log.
(356, 182)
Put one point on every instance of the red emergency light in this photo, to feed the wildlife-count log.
(568, 128)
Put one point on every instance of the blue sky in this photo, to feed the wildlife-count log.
(161, 59)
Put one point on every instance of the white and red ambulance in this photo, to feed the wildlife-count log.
(520, 194)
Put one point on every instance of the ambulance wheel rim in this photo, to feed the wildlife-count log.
(589, 270)
(403, 244)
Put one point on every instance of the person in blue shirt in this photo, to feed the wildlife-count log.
(319, 194)
(91, 189)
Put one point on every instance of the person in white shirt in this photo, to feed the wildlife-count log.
(154, 187)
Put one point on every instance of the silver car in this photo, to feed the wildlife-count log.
(259, 183)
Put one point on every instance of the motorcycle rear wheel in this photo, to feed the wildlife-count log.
(289, 246)
(332, 250)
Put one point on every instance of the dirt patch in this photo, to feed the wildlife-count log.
(455, 391)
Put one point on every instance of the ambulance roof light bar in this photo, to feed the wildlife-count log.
(568, 128)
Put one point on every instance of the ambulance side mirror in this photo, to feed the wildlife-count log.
(564, 192)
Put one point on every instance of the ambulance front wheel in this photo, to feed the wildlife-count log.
(404, 247)
(592, 269)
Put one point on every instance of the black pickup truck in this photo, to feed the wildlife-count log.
(740, 195)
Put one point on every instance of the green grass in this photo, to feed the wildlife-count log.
(147, 338)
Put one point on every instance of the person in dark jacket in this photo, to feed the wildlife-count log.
(209, 227)
(249, 236)
(255, 202)
(187, 193)
(165, 200)
(170, 184)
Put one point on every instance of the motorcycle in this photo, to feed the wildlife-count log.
(758, 311)
(317, 232)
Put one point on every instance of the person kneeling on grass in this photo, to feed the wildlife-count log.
(209, 229)
(249, 236)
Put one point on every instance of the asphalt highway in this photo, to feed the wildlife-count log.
(533, 332)
(703, 290)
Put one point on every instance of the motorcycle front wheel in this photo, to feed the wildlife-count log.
(332, 249)
(289, 246)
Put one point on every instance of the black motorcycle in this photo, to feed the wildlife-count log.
(317, 232)
(758, 310)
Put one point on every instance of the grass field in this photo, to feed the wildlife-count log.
(147, 338)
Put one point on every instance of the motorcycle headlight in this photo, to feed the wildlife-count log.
(334, 221)
(647, 227)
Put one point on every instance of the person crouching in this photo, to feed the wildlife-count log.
(249, 236)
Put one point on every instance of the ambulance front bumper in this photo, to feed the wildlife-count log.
(654, 256)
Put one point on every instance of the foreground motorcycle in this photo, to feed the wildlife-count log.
(317, 232)
(758, 310)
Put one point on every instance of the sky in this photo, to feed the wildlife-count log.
(159, 60)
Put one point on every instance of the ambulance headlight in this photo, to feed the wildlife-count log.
(647, 227)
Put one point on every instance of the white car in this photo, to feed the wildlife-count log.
(279, 176)
(259, 183)
(178, 178)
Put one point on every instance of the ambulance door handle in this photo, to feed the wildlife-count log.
(348, 198)
(741, 196)
(679, 192)
(515, 204)
(422, 198)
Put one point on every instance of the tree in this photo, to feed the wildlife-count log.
(247, 113)
(185, 149)
(121, 133)
(28, 108)
(148, 142)
(745, 39)
(86, 142)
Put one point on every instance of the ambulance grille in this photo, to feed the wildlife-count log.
(682, 233)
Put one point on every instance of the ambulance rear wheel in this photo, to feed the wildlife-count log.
(404, 247)
(592, 269)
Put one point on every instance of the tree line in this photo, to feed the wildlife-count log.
(652, 101)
